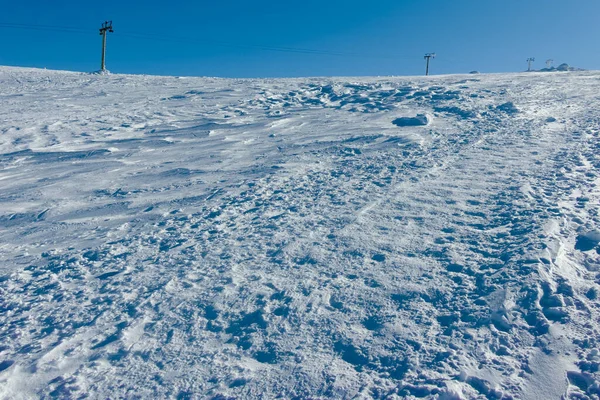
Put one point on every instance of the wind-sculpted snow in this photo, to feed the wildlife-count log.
(209, 238)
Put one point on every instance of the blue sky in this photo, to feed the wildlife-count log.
(379, 37)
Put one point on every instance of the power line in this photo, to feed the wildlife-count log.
(174, 39)
(45, 28)
(201, 42)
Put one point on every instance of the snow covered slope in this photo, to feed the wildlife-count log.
(310, 238)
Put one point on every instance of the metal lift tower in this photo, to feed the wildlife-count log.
(106, 27)
(428, 57)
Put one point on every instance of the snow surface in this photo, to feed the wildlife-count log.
(217, 238)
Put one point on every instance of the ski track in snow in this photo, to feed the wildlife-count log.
(215, 238)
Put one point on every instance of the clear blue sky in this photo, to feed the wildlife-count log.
(377, 37)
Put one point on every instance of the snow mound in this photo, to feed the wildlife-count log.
(419, 120)
(588, 241)
(101, 72)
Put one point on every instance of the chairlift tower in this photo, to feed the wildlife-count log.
(530, 60)
(106, 27)
(549, 63)
(428, 57)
